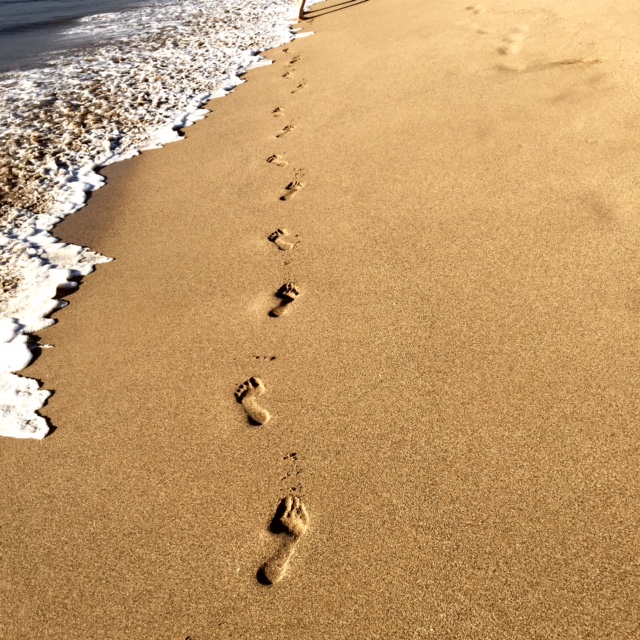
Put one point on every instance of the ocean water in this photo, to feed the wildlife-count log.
(80, 89)
(30, 30)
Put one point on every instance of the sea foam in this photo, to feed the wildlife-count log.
(83, 110)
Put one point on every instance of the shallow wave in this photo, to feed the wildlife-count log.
(35, 25)
(86, 109)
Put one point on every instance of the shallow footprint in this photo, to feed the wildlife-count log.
(300, 87)
(279, 238)
(287, 293)
(278, 112)
(246, 394)
(476, 8)
(288, 129)
(291, 189)
(513, 41)
(279, 161)
(292, 522)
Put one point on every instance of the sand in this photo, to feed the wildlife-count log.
(453, 393)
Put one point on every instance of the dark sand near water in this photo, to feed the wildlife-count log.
(455, 392)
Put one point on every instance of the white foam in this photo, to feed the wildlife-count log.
(96, 107)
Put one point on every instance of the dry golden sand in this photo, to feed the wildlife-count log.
(455, 393)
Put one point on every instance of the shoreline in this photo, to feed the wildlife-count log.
(452, 392)
(37, 268)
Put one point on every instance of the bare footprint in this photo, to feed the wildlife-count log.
(300, 87)
(294, 59)
(247, 394)
(288, 74)
(292, 189)
(476, 8)
(279, 161)
(287, 293)
(279, 238)
(292, 522)
(278, 112)
(510, 49)
(288, 129)
(513, 41)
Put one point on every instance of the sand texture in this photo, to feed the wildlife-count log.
(394, 278)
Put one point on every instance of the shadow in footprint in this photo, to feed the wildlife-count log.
(276, 526)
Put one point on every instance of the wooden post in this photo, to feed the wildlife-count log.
(301, 9)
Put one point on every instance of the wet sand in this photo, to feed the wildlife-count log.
(452, 393)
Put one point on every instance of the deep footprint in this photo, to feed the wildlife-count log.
(291, 190)
(279, 161)
(287, 293)
(292, 522)
(288, 129)
(247, 394)
(278, 112)
(279, 238)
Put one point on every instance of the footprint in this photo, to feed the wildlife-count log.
(510, 49)
(277, 160)
(279, 238)
(288, 129)
(300, 87)
(246, 394)
(294, 59)
(513, 41)
(476, 8)
(287, 293)
(278, 112)
(292, 188)
(288, 74)
(290, 521)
